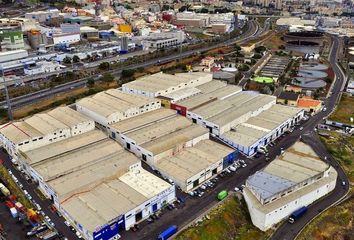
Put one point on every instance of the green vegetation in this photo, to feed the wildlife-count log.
(104, 66)
(257, 56)
(14, 189)
(227, 221)
(341, 147)
(260, 49)
(76, 59)
(67, 100)
(67, 60)
(243, 67)
(90, 83)
(127, 73)
(3, 113)
(336, 222)
(264, 80)
(107, 77)
(344, 110)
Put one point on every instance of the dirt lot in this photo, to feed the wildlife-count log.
(345, 110)
(227, 221)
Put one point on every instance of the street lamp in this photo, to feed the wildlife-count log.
(7, 94)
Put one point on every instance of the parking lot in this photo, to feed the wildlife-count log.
(49, 215)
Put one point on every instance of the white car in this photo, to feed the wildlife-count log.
(67, 223)
(237, 189)
(232, 168)
(244, 165)
(38, 207)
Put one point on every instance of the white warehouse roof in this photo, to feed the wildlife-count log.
(42, 124)
(161, 81)
(113, 102)
(90, 173)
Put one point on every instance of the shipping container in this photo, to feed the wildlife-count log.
(222, 195)
(168, 232)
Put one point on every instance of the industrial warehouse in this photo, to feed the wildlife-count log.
(42, 129)
(295, 179)
(160, 83)
(180, 150)
(245, 120)
(114, 105)
(262, 129)
(85, 174)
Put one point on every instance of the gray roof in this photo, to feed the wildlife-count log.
(267, 185)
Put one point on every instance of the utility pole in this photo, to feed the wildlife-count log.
(7, 95)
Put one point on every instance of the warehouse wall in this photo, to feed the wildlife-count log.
(147, 208)
(93, 115)
(264, 221)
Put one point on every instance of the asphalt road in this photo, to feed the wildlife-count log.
(251, 33)
(289, 231)
(45, 204)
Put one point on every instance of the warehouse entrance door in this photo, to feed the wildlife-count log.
(195, 183)
(154, 207)
(210, 129)
(215, 171)
(138, 216)
(128, 146)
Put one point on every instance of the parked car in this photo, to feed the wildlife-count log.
(232, 168)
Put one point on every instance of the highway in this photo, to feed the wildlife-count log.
(251, 33)
(247, 75)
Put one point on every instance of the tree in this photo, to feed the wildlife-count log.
(76, 59)
(183, 8)
(104, 66)
(257, 56)
(107, 77)
(204, 10)
(127, 6)
(244, 67)
(3, 113)
(126, 73)
(260, 49)
(67, 60)
(90, 83)
(165, 7)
